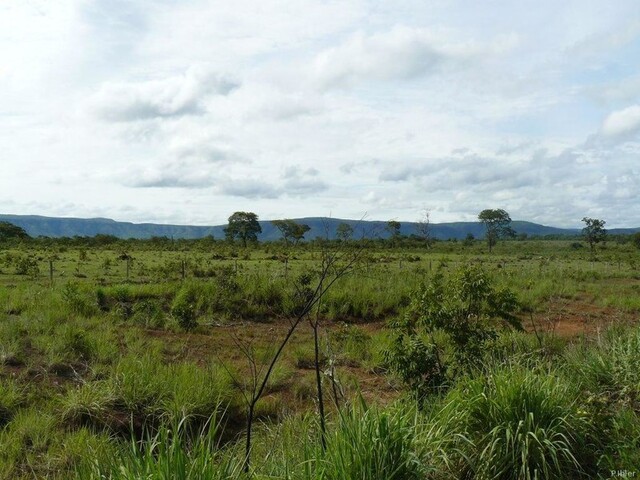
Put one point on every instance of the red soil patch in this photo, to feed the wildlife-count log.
(571, 317)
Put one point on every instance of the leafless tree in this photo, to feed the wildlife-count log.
(338, 259)
(423, 227)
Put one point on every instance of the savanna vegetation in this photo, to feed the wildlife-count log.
(398, 358)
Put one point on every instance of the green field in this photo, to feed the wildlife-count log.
(137, 359)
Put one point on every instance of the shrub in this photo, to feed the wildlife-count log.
(27, 266)
(183, 308)
(465, 308)
(78, 300)
(149, 314)
(71, 344)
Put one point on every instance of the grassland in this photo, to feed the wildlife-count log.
(133, 359)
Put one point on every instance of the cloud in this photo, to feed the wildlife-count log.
(401, 53)
(168, 175)
(203, 148)
(295, 182)
(622, 122)
(300, 183)
(167, 97)
(249, 188)
(301, 187)
(296, 172)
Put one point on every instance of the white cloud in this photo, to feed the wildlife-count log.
(400, 53)
(622, 122)
(169, 175)
(194, 109)
(176, 95)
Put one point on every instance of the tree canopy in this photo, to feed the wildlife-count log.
(10, 231)
(290, 230)
(594, 232)
(498, 225)
(243, 226)
(344, 231)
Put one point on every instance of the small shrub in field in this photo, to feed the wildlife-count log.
(467, 308)
(352, 344)
(148, 313)
(184, 308)
(77, 300)
(27, 266)
(417, 364)
(72, 344)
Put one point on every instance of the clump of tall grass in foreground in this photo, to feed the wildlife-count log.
(169, 454)
(611, 367)
(12, 396)
(369, 444)
(519, 424)
(608, 372)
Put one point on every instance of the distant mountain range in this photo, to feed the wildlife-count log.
(70, 227)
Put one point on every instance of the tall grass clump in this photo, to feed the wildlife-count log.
(144, 392)
(608, 372)
(611, 367)
(520, 424)
(12, 396)
(168, 454)
(26, 444)
(371, 444)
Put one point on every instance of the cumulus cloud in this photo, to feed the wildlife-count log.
(400, 53)
(166, 97)
(301, 187)
(301, 182)
(204, 148)
(249, 188)
(478, 107)
(168, 175)
(622, 122)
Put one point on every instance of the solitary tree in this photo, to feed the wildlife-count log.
(423, 227)
(243, 226)
(594, 232)
(393, 227)
(290, 230)
(468, 240)
(497, 224)
(344, 231)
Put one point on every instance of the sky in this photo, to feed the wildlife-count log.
(184, 111)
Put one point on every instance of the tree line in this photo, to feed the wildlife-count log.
(244, 228)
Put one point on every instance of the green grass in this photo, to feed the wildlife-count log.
(98, 379)
(520, 424)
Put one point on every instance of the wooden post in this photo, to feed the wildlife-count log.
(51, 272)
(183, 267)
